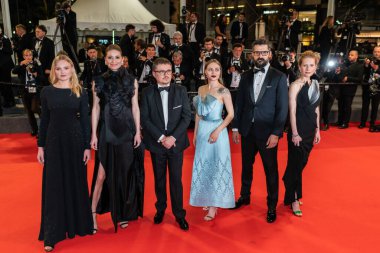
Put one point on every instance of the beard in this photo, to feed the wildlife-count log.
(260, 62)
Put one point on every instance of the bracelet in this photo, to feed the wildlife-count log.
(295, 135)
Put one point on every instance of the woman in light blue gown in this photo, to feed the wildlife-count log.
(212, 183)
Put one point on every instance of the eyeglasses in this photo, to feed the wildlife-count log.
(263, 53)
(164, 72)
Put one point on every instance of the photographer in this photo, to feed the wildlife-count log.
(30, 73)
(6, 65)
(181, 71)
(293, 29)
(187, 54)
(93, 67)
(70, 24)
(347, 31)
(239, 30)
(352, 72)
(234, 66)
(289, 65)
(207, 53)
(144, 66)
(371, 76)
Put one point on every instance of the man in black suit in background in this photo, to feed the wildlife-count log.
(239, 30)
(293, 28)
(44, 51)
(260, 113)
(196, 33)
(165, 114)
(127, 45)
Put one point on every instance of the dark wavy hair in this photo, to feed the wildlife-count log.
(157, 23)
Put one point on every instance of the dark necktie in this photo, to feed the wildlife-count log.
(255, 70)
(166, 88)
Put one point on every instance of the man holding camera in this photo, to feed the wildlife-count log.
(352, 72)
(187, 54)
(293, 29)
(207, 53)
(144, 66)
(127, 43)
(181, 71)
(93, 66)
(372, 77)
(289, 65)
(234, 66)
(6, 65)
(30, 73)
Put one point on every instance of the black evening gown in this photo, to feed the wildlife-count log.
(64, 134)
(306, 120)
(123, 190)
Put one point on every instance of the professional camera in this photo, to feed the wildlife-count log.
(374, 85)
(207, 54)
(31, 85)
(183, 11)
(59, 13)
(236, 64)
(285, 57)
(177, 74)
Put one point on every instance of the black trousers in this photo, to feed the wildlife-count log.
(250, 146)
(366, 100)
(6, 90)
(174, 163)
(297, 160)
(347, 94)
(31, 100)
(329, 97)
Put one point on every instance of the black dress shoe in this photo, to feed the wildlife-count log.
(34, 133)
(325, 127)
(159, 217)
(271, 216)
(343, 126)
(241, 201)
(182, 224)
(374, 129)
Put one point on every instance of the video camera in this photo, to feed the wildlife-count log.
(60, 13)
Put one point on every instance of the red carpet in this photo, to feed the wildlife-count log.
(341, 206)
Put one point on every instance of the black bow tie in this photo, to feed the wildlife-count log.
(165, 88)
(255, 70)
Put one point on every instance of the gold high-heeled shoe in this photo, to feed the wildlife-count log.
(208, 217)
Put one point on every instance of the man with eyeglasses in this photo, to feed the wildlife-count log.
(260, 113)
(165, 114)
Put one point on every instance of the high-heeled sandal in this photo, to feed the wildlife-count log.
(208, 217)
(94, 229)
(205, 208)
(48, 248)
(297, 213)
(123, 224)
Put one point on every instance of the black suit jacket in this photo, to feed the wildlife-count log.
(165, 40)
(244, 66)
(200, 32)
(24, 42)
(128, 49)
(295, 29)
(47, 53)
(354, 72)
(235, 31)
(269, 111)
(152, 118)
(186, 71)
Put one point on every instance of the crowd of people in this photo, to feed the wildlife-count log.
(137, 97)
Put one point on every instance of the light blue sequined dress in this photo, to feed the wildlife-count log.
(212, 183)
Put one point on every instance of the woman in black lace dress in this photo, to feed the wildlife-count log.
(118, 179)
(64, 149)
(304, 98)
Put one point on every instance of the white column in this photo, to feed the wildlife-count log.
(6, 18)
(331, 8)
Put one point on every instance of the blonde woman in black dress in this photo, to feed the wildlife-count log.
(304, 99)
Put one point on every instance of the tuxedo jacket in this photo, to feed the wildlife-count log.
(235, 31)
(244, 66)
(200, 32)
(47, 52)
(270, 110)
(165, 40)
(128, 49)
(295, 29)
(152, 118)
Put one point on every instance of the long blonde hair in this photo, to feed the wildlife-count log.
(76, 88)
